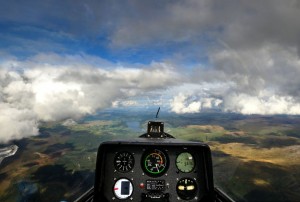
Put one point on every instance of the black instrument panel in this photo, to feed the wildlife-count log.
(150, 170)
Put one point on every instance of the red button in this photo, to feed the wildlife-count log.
(142, 185)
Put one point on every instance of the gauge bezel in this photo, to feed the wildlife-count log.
(143, 162)
(183, 196)
(115, 164)
(131, 185)
(194, 162)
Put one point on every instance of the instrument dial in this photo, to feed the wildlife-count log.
(124, 161)
(186, 188)
(185, 162)
(123, 188)
(155, 162)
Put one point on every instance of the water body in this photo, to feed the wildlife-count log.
(7, 151)
(27, 191)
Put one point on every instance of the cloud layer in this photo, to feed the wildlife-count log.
(52, 87)
(260, 81)
(123, 24)
(233, 56)
(48, 92)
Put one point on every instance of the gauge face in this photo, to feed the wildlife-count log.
(155, 162)
(185, 162)
(123, 188)
(186, 188)
(124, 162)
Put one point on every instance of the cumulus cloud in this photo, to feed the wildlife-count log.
(49, 92)
(249, 81)
(184, 103)
(16, 123)
(265, 103)
(179, 105)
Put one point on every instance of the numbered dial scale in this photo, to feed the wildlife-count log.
(124, 161)
(185, 162)
(155, 162)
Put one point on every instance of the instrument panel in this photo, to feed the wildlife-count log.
(145, 170)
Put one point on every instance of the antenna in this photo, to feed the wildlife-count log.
(155, 129)
(157, 112)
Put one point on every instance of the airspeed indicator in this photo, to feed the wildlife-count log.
(155, 162)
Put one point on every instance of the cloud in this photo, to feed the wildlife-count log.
(124, 103)
(179, 105)
(32, 91)
(16, 117)
(16, 123)
(260, 81)
(52, 87)
(241, 24)
(266, 103)
(184, 103)
(239, 56)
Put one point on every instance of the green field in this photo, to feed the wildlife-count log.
(254, 157)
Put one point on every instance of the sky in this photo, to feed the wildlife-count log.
(67, 59)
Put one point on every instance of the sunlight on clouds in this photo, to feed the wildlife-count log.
(124, 103)
(157, 75)
(187, 103)
(16, 123)
(266, 103)
(49, 92)
(37, 89)
(180, 105)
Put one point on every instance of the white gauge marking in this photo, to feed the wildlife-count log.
(123, 188)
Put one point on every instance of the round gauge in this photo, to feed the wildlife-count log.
(123, 188)
(186, 188)
(185, 162)
(155, 162)
(124, 162)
